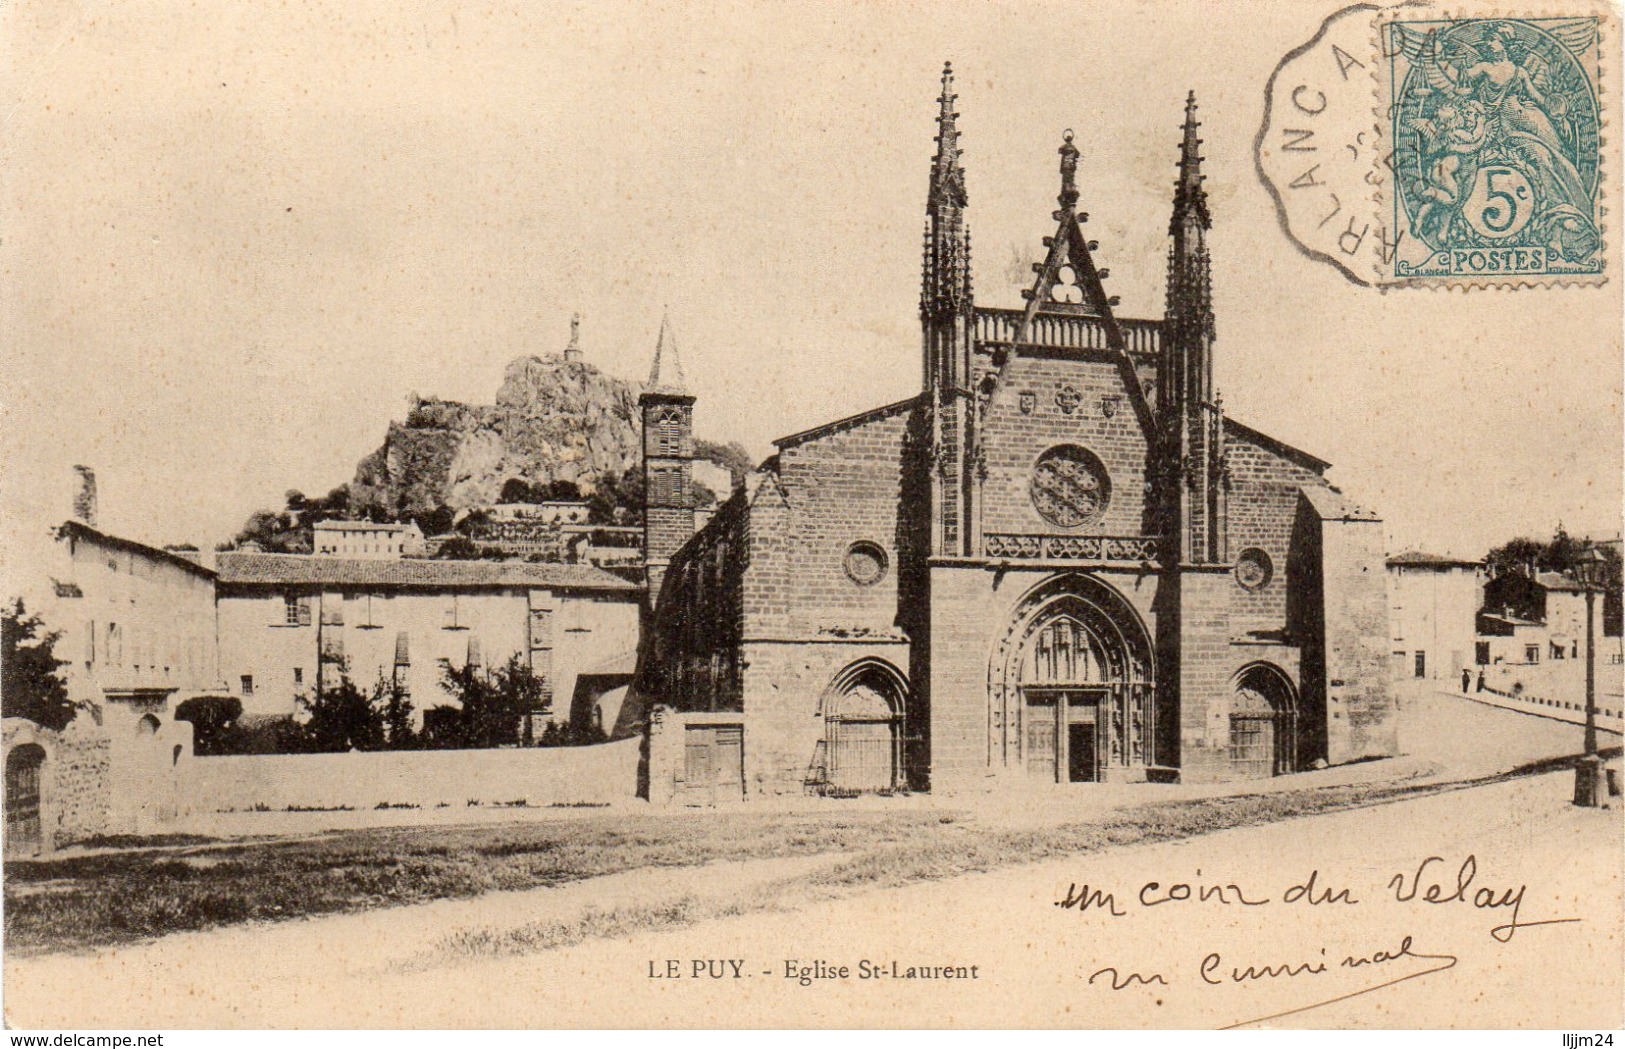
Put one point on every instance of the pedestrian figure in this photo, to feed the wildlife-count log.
(1480, 681)
(1466, 678)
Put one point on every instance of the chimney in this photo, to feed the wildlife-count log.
(84, 497)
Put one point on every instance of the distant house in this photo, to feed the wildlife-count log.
(367, 539)
(287, 621)
(1554, 633)
(137, 632)
(1432, 604)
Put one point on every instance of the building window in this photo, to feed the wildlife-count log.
(865, 563)
(1254, 569)
(669, 429)
(667, 487)
(1421, 664)
(1531, 653)
(453, 614)
(1557, 650)
(298, 676)
(295, 610)
(248, 684)
(1069, 487)
(1482, 653)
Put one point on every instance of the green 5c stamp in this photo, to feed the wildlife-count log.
(1496, 149)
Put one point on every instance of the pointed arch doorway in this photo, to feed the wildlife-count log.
(863, 722)
(1072, 694)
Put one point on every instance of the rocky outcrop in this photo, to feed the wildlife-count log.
(553, 420)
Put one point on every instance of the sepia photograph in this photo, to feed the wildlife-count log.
(812, 515)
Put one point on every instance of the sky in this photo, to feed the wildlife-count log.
(238, 237)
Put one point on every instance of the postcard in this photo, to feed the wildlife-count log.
(812, 515)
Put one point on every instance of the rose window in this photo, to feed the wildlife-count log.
(1070, 487)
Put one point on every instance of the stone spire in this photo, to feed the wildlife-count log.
(947, 175)
(572, 352)
(946, 284)
(1190, 199)
(666, 375)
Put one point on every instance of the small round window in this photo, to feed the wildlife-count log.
(1254, 570)
(865, 563)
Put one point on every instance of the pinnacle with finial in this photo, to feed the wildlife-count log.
(1190, 199)
(947, 177)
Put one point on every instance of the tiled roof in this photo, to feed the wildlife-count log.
(1422, 559)
(72, 529)
(1281, 448)
(884, 411)
(1331, 505)
(306, 569)
(363, 526)
(1558, 581)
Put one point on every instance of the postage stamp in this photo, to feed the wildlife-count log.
(1496, 165)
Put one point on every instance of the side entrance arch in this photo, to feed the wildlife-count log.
(1263, 723)
(863, 729)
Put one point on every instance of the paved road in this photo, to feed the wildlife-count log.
(1033, 959)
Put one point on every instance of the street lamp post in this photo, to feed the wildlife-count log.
(1592, 574)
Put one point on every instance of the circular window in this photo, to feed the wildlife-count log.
(1070, 487)
(1254, 570)
(865, 563)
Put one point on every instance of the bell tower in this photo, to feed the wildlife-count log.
(668, 461)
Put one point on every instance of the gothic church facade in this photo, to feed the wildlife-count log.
(1060, 563)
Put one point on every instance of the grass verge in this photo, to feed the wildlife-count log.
(85, 902)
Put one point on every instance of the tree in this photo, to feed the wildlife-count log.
(436, 521)
(289, 530)
(342, 718)
(516, 490)
(212, 718)
(31, 684)
(492, 704)
(731, 457)
(396, 704)
(617, 500)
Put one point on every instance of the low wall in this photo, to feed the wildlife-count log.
(425, 778)
(74, 793)
(1557, 686)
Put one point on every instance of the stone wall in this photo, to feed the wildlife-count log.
(1205, 667)
(75, 791)
(786, 686)
(1361, 718)
(841, 488)
(1262, 505)
(427, 778)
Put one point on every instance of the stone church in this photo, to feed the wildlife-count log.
(1061, 562)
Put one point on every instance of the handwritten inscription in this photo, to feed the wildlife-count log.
(1431, 882)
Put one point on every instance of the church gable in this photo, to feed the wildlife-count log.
(1066, 451)
(845, 483)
